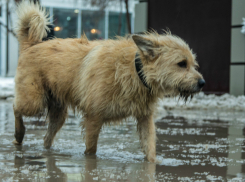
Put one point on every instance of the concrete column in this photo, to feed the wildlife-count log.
(237, 67)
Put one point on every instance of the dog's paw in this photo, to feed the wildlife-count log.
(90, 152)
(16, 143)
(152, 159)
(47, 144)
(19, 136)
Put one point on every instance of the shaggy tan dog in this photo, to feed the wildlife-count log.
(107, 80)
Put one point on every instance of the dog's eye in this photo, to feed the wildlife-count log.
(182, 64)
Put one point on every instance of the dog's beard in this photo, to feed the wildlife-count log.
(185, 94)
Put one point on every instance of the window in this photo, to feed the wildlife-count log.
(114, 28)
(93, 24)
(65, 23)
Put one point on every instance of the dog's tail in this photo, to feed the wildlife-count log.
(32, 22)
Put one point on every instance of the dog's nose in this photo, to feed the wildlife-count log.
(201, 83)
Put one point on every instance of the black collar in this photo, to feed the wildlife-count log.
(139, 66)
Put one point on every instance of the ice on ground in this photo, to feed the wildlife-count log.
(192, 145)
(202, 101)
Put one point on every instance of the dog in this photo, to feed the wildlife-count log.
(106, 80)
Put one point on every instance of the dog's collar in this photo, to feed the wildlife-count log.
(139, 66)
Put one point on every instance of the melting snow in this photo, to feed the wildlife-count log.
(202, 101)
(6, 87)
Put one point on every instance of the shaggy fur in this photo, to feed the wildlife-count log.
(32, 23)
(97, 78)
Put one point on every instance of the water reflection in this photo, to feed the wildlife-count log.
(192, 145)
(54, 173)
(91, 171)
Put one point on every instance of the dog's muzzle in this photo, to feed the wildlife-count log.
(201, 83)
(185, 94)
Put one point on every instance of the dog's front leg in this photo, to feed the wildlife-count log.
(147, 133)
(92, 128)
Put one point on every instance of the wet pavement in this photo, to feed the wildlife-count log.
(192, 146)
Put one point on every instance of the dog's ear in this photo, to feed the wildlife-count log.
(146, 46)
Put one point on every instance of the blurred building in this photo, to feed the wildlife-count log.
(71, 18)
(237, 61)
(212, 28)
(12, 41)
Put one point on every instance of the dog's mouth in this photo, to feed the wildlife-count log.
(186, 94)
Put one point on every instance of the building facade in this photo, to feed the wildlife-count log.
(212, 28)
(214, 33)
(237, 61)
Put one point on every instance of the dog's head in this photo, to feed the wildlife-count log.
(169, 65)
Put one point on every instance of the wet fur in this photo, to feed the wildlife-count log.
(97, 78)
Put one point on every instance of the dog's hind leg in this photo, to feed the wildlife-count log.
(57, 116)
(19, 128)
(147, 133)
(29, 101)
(92, 129)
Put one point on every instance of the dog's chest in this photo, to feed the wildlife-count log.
(125, 108)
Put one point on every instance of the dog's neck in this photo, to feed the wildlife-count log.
(139, 66)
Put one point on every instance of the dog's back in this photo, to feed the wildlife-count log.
(97, 77)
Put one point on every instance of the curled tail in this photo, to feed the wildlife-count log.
(32, 25)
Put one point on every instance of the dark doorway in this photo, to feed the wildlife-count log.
(206, 27)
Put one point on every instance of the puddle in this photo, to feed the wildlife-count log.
(191, 146)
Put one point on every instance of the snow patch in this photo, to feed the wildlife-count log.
(6, 87)
(202, 101)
